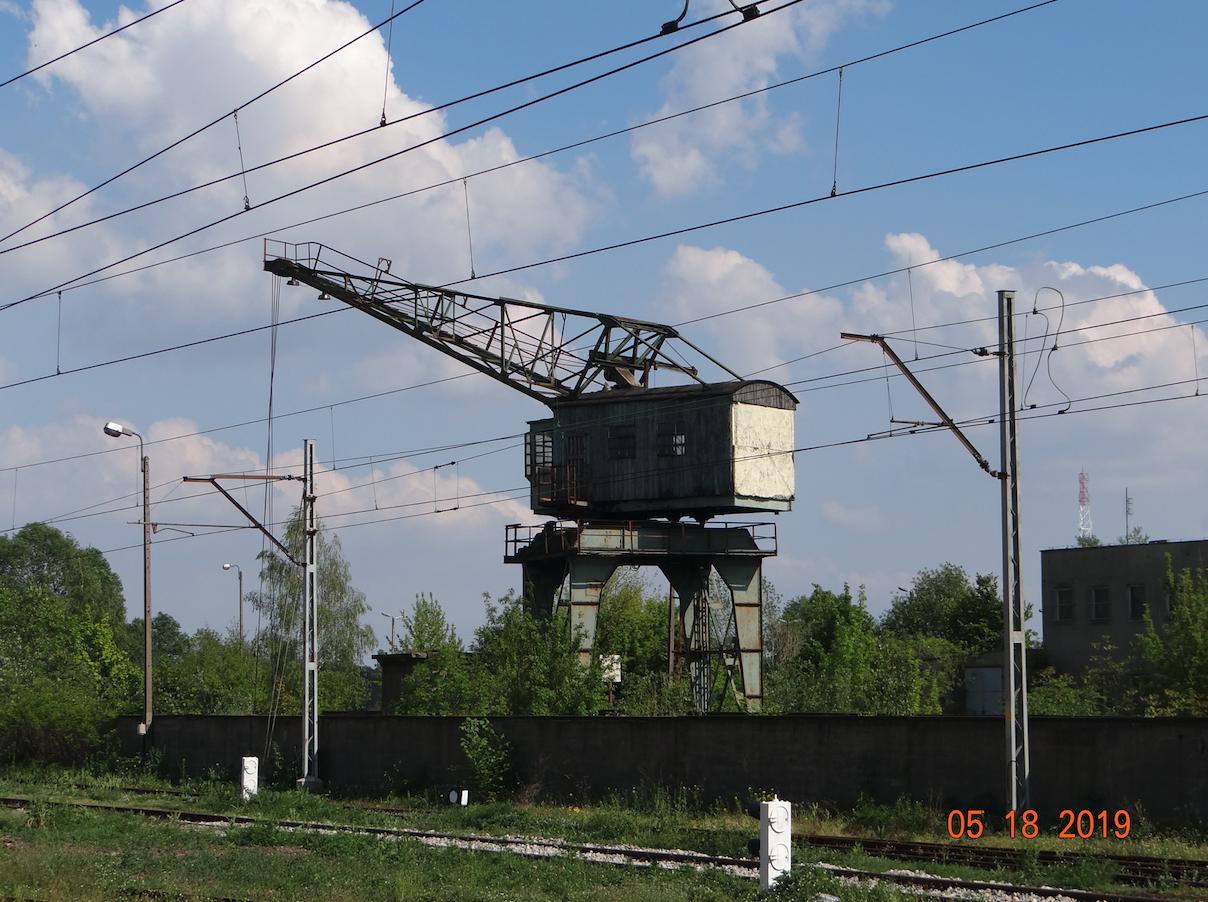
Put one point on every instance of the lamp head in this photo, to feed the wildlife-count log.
(226, 566)
(115, 430)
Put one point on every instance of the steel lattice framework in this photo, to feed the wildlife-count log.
(549, 353)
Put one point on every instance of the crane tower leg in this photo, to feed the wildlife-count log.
(744, 578)
(588, 576)
(691, 584)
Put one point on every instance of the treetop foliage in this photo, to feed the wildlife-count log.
(944, 602)
(80, 577)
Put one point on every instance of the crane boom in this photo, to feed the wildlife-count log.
(549, 353)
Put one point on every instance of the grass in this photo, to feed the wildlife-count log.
(54, 850)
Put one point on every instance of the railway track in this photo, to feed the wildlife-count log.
(537, 847)
(1134, 869)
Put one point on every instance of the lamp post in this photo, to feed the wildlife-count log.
(240, 569)
(392, 619)
(116, 430)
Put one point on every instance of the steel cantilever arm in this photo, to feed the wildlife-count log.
(549, 353)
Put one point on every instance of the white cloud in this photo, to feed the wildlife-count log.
(863, 519)
(699, 282)
(143, 89)
(682, 156)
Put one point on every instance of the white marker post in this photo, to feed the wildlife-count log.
(251, 777)
(775, 842)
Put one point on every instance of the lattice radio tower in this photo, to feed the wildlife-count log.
(1084, 505)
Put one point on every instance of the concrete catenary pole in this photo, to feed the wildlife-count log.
(1015, 669)
(146, 593)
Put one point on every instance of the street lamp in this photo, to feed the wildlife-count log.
(116, 430)
(237, 567)
(392, 617)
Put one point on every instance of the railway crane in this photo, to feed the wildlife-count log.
(627, 473)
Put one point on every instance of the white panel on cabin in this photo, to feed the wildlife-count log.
(763, 459)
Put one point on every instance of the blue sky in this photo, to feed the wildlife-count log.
(868, 513)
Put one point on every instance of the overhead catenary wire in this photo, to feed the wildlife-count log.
(375, 395)
(572, 146)
(97, 40)
(196, 132)
(880, 186)
(391, 156)
(517, 493)
(323, 146)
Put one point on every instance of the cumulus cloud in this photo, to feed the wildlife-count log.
(143, 89)
(699, 282)
(1102, 346)
(684, 155)
(862, 519)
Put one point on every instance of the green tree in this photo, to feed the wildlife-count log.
(1174, 663)
(1088, 541)
(426, 628)
(1136, 536)
(632, 623)
(522, 665)
(344, 640)
(62, 677)
(838, 644)
(441, 684)
(947, 604)
(1060, 693)
(80, 578)
(212, 675)
(830, 656)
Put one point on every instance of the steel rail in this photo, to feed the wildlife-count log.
(900, 850)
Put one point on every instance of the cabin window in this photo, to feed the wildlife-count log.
(1100, 603)
(670, 440)
(622, 442)
(1065, 605)
(1136, 602)
(538, 453)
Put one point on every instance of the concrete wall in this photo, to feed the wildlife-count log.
(1112, 762)
(1070, 643)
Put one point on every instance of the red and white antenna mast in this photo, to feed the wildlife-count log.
(1084, 505)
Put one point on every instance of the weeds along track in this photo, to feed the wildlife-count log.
(626, 855)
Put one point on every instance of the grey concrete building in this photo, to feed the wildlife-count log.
(1093, 594)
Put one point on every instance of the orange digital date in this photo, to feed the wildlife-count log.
(1082, 825)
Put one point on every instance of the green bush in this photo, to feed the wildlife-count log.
(492, 762)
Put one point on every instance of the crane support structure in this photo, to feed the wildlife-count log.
(549, 353)
(621, 463)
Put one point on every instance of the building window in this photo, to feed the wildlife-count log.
(671, 440)
(1136, 602)
(622, 443)
(1065, 605)
(1101, 608)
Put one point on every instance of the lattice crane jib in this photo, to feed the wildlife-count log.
(548, 353)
